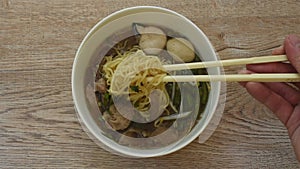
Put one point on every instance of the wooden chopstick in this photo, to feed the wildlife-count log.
(229, 62)
(283, 77)
(278, 77)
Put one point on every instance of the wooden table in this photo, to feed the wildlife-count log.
(38, 124)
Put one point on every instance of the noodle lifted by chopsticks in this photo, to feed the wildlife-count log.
(129, 74)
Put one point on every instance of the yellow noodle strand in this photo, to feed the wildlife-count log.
(132, 68)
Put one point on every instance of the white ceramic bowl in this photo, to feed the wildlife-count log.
(84, 68)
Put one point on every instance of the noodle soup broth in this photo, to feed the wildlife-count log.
(144, 109)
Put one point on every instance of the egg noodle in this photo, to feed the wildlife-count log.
(138, 75)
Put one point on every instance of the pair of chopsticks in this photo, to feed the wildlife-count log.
(270, 77)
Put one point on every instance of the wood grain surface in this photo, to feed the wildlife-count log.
(38, 124)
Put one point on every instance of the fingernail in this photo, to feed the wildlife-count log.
(294, 41)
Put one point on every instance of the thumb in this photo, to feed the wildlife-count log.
(292, 50)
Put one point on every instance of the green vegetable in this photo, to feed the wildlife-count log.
(107, 101)
(135, 88)
(204, 89)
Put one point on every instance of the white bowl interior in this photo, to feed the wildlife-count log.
(84, 69)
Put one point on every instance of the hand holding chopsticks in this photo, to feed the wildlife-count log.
(283, 77)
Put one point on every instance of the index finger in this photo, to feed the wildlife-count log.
(292, 50)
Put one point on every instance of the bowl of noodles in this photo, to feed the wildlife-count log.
(122, 95)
